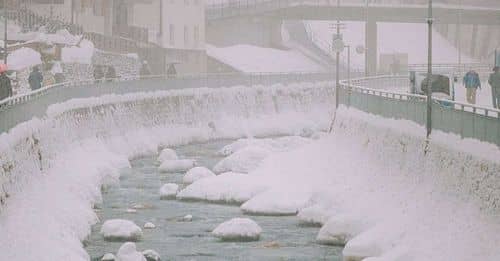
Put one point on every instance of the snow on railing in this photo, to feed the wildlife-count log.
(467, 120)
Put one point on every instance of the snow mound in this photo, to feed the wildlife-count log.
(279, 202)
(128, 252)
(242, 161)
(23, 58)
(120, 230)
(225, 188)
(315, 215)
(78, 54)
(338, 230)
(371, 243)
(187, 218)
(173, 166)
(149, 225)
(197, 173)
(169, 191)
(151, 255)
(238, 229)
(108, 257)
(275, 145)
(250, 58)
(167, 154)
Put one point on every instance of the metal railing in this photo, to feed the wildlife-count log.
(20, 108)
(468, 121)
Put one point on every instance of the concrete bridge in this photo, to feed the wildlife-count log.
(259, 22)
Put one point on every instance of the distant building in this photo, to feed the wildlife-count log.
(175, 25)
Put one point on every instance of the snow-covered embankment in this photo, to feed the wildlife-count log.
(53, 168)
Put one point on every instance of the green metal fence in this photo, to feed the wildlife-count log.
(375, 95)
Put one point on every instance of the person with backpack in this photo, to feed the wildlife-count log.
(5, 83)
(110, 74)
(494, 82)
(98, 74)
(472, 83)
(35, 79)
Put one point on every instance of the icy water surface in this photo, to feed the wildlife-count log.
(282, 237)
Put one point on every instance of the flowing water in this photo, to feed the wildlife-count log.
(282, 237)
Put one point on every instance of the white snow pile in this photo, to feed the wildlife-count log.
(174, 166)
(121, 230)
(196, 174)
(249, 58)
(128, 252)
(242, 161)
(81, 54)
(339, 229)
(169, 191)
(278, 202)
(167, 154)
(151, 255)
(370, 244)
(187, 218)
(272, 144)
(108, 257)
(238, 229)
(23, 58)
(228, 187)
(315, 215)
(149, 225)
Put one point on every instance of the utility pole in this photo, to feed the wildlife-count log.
(5, 53)
(429, 72)
(337, 75)
(459, 36)
(72, 11)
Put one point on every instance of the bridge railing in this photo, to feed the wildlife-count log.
(20, 108)
(465, 120)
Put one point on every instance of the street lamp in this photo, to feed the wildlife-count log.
(430, 20)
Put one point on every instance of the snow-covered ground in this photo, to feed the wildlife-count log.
(250, 58)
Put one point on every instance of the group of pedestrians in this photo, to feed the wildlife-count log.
(100, 75)
(35, 80)
(472, 83)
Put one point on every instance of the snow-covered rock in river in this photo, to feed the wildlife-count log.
(338, 230)
(128, 252)
(243, 161)
(108, 257)
(151, 255)
(187, 218)
(277, 201)
(315, 215)
(225, 188)
(121, 230)
(149, 225)
(173, 166)
(169, 191)
(197, 173)
(167, 154)
(371, 243)
(238, 229)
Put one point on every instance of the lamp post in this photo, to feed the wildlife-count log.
(429, 72)
(5, 32)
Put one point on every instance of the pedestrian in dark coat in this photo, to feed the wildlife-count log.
(98, 74)
(471, 83)
(494, 82)
(110, 74)
(5, 86)
(35, 79)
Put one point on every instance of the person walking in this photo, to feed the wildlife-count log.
(145, 70)
(5, 83)
(98, 74)
(471, 83)
(110, 74)
(35, 79)
(494, 82)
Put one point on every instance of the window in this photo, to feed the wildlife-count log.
(171, 30)
(196, 36)
(186, 36)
